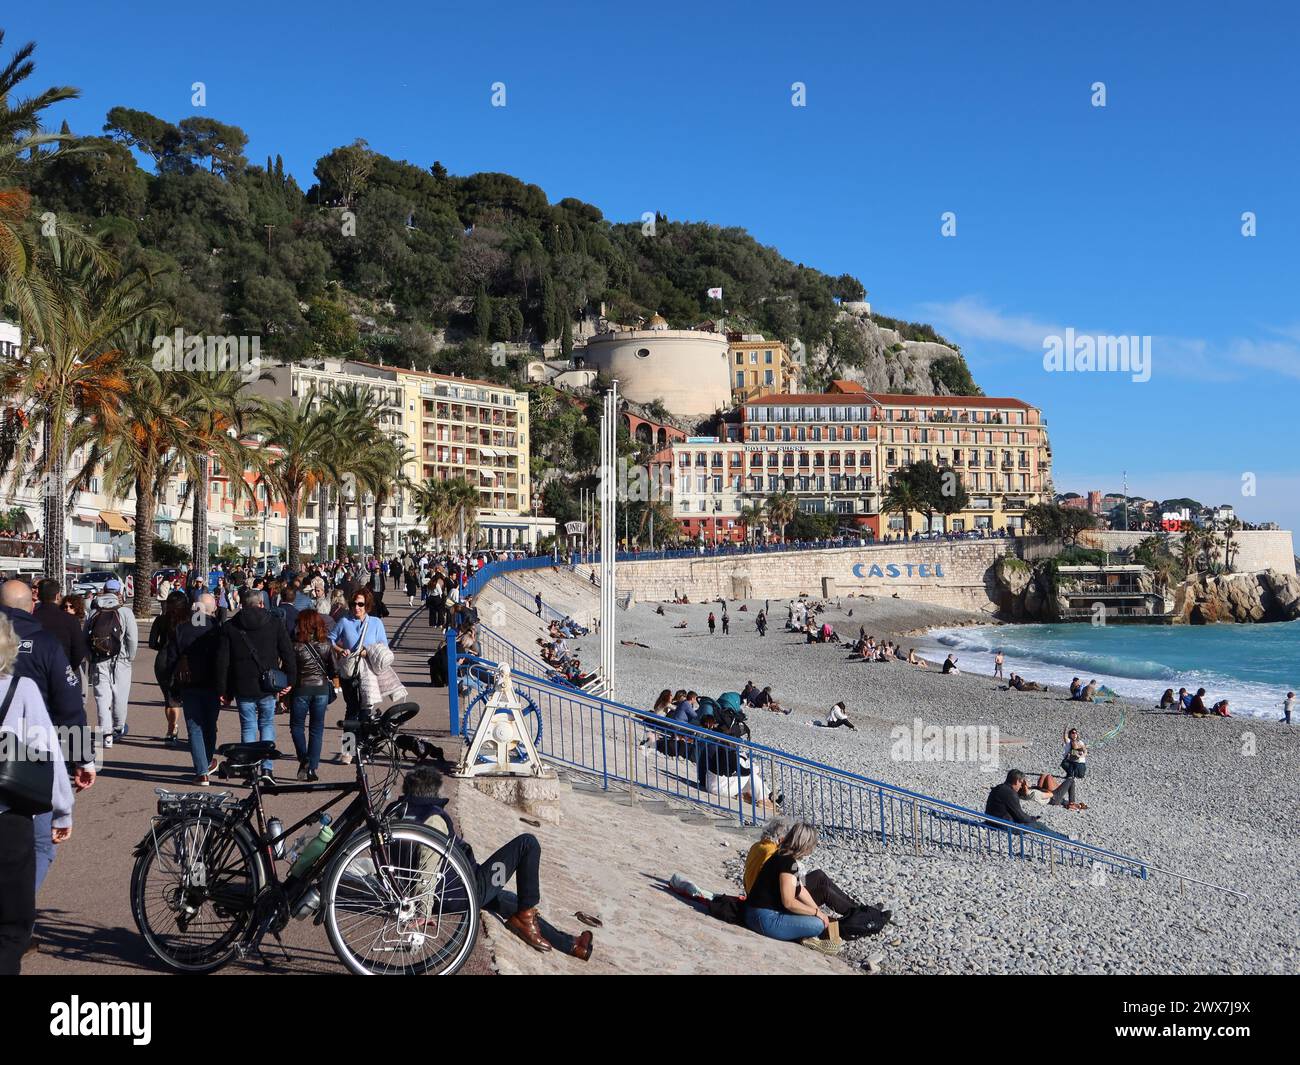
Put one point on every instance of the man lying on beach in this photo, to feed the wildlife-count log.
(1049, 791)
(1018, 683)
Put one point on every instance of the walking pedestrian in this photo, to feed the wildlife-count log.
(761, 622)
(23, 716)
(175, 612)
(114, 639)
(317, 679)
(726, 623)
(713, 623)
(255, 666)
(194, 676)
(1287, 706)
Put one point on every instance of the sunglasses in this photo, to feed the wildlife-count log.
(360, 603)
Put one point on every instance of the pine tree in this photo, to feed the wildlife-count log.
(566, 339)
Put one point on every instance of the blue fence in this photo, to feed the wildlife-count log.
(625, 747)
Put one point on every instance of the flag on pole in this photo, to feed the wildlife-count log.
(715, 293)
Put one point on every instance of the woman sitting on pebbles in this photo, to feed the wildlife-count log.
(913, 660)
(777, 908)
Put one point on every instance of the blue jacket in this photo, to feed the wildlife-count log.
(41, 657)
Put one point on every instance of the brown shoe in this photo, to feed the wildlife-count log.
(582, 947)
(524, 925)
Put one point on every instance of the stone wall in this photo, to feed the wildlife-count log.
(958, 574)
(1260, 549)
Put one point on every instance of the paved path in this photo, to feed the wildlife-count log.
(85, 924)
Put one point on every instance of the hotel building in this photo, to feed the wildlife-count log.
(759, 367)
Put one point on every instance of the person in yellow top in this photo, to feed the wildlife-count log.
(822, 889)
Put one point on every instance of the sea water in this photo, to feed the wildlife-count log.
(1252, 666)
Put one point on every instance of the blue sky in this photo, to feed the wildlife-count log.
(1122, 220)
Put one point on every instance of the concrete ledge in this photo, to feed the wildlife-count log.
(539, 796)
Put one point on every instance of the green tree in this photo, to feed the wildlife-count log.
(781, 508)
(482, 313)
(296, 436)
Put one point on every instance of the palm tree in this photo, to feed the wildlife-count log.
(222, 411)
(386, 464)
(70, 371)
(752, 516)
(781, 508)
(22, 283)
(463, 501)
(162, 432)
(356, 418)
(297, 441)
(900, 498)
(430, 502)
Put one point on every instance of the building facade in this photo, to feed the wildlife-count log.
(760, 368)
(686, 369)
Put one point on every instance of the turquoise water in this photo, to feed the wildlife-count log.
(1252, 666)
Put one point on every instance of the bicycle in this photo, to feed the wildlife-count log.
(395, 897)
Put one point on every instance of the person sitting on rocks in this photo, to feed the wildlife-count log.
(837, 718)
(778, 908)
(764, 701)
(1018, 683)
(950, 665)
(725, 771)
(1221, 708)
(1167, 701)
(818, 884)
(520, 859)
(1076, 689)
(1003, 803)
(914, 660)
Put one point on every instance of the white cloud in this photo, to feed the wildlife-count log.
(970, 320)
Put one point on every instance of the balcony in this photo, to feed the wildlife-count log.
(14, 547)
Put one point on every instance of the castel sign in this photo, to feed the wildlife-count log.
(891, 570)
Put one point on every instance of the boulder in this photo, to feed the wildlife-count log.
(1281, 594)
(1012, 574)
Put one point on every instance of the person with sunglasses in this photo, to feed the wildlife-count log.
(350, 636)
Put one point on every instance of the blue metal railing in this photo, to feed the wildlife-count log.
(521, 595)
(608, 739)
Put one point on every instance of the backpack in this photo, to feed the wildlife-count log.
(862, 921)
(106, 635)
(727, 908)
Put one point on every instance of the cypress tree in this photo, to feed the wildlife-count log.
(550, 324)
(566, 338)
(482, 313)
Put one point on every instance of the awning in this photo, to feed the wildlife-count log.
(115, 521)
(486, 452)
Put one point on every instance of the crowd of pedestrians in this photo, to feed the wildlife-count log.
(259, 645)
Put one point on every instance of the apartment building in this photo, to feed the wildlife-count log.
(759, 367)
(707, 478)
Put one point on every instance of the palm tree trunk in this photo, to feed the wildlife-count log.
(379, 528)
(340, 524)
(292, 547)
(146, 507)
(54, 518)
(322, 515)
(199, 525)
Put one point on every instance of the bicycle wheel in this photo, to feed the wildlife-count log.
(422, 917)
(192, 893)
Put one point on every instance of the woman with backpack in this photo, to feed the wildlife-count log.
(175, 612)
(313, 692)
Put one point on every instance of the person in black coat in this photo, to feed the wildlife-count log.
(252, 642)
(64, 627)
(1004, 804)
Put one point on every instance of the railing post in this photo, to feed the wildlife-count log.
(453, 683)
(604, 754)
(884, 838)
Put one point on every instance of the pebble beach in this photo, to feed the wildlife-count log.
(1211, 799)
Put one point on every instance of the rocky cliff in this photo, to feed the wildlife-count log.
(1243, 597)
(877, 358)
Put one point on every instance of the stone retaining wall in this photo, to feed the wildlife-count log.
(951, 574)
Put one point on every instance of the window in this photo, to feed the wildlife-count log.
(753, 358)
(767, 357)
(740, 359)
(740, 378)
(643, 353)
(767, 377)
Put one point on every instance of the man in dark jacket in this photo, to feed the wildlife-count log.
(1004, 804)
(64, 627)
(41, 658)
(251, 643)
(195, 677)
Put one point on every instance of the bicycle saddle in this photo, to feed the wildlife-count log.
(246, 754)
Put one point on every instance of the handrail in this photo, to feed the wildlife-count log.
(899, 796)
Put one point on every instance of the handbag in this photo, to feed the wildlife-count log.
(271, 681)
(334, 685)
(26, 775)
(350, 666)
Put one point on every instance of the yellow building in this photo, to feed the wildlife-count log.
(760, 368)
(476, 430)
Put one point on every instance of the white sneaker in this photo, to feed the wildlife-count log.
(108, 741)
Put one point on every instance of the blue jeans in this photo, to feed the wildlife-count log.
(201, 709)
(42, 825)
(257, 722)
(777, 925)
(308, 706)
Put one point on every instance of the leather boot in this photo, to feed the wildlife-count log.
(582, 947)
(524, 925)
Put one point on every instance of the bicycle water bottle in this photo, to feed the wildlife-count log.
(275, 828)
(314, 848)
